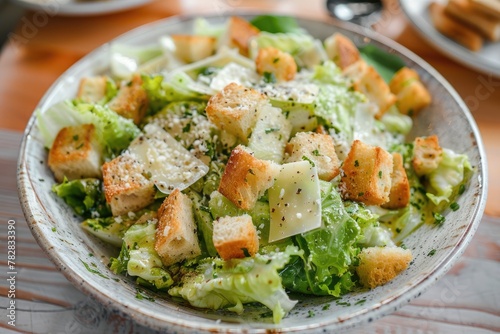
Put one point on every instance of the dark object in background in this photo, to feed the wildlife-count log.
(9, 17)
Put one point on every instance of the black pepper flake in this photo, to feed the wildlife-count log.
(299, 191)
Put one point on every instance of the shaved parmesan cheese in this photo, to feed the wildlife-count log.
(170, 165)
(295, 201)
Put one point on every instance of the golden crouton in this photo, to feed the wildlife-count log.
(366, 174)
(427, 154)
(191, 48)
(235, 109)
(131, 101)
(240, 32)
(75, 153)
(235, 237)
(125, 186)
(176, 238)
(366, 80)
(279, 63)
(411, 94)
(92, 89)
(399, 196)
(379, 265)
(341, 50)
(318, 148)
(246, 178)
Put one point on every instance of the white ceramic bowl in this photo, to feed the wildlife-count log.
(69, 246)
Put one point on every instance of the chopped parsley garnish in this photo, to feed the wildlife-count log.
(93, 271)
(269, 77)
(438, 218)
(432, 252)
(454, 206)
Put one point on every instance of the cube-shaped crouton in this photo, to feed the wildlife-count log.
(191, 48)
(427, 154)
(240, 32)
(92, 89)
(366, 174)
(276, 62)
(379, 265)
(131, 101)
(366, 80)
(235, 237)
(399, 196)
(411, 94)
(341, 50)
(126, 187)
(176, 236)
(246, 178)
(318, 148)
(75, 153)
(235, 109)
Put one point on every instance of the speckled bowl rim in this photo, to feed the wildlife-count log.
(31, 209)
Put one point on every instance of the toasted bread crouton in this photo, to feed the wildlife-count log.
(379, 265)
(318, 148)
(190, 48)
(464, 11)
(240, 32)
(487, 7)
(427, 154)
(277, 62)
(75, 153)
(366, 174)
(235, 237)
(399, 197)
(125, 186)
(366, 80)
(235, 109)
(92, 89)
(455, 30)
(341, 50)
(131, 101)
(176, 237)
(246, 178)
(411, 94)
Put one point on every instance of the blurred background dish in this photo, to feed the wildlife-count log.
(486, 59)
(80, 7)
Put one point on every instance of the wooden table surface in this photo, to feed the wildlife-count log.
(44, 45)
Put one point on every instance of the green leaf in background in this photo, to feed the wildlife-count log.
(385, 63)
(276, 24)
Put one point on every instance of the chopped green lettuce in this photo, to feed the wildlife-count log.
(445, 180)
(276, 24)
(113, 131)
(329, 252)
(126, 59)
(216, 283)
(139, 257)
(112, 229)
(84, 196)
(177, 87)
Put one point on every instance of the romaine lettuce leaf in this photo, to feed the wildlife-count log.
(450, 173)
(178, 87)
(84, 196)
(329, 252)
(114, 132)
(216, 283)
(140, 258)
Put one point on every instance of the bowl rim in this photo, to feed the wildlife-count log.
(32, 209)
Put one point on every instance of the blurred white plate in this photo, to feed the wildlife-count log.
(80, 7)
(486, 60)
